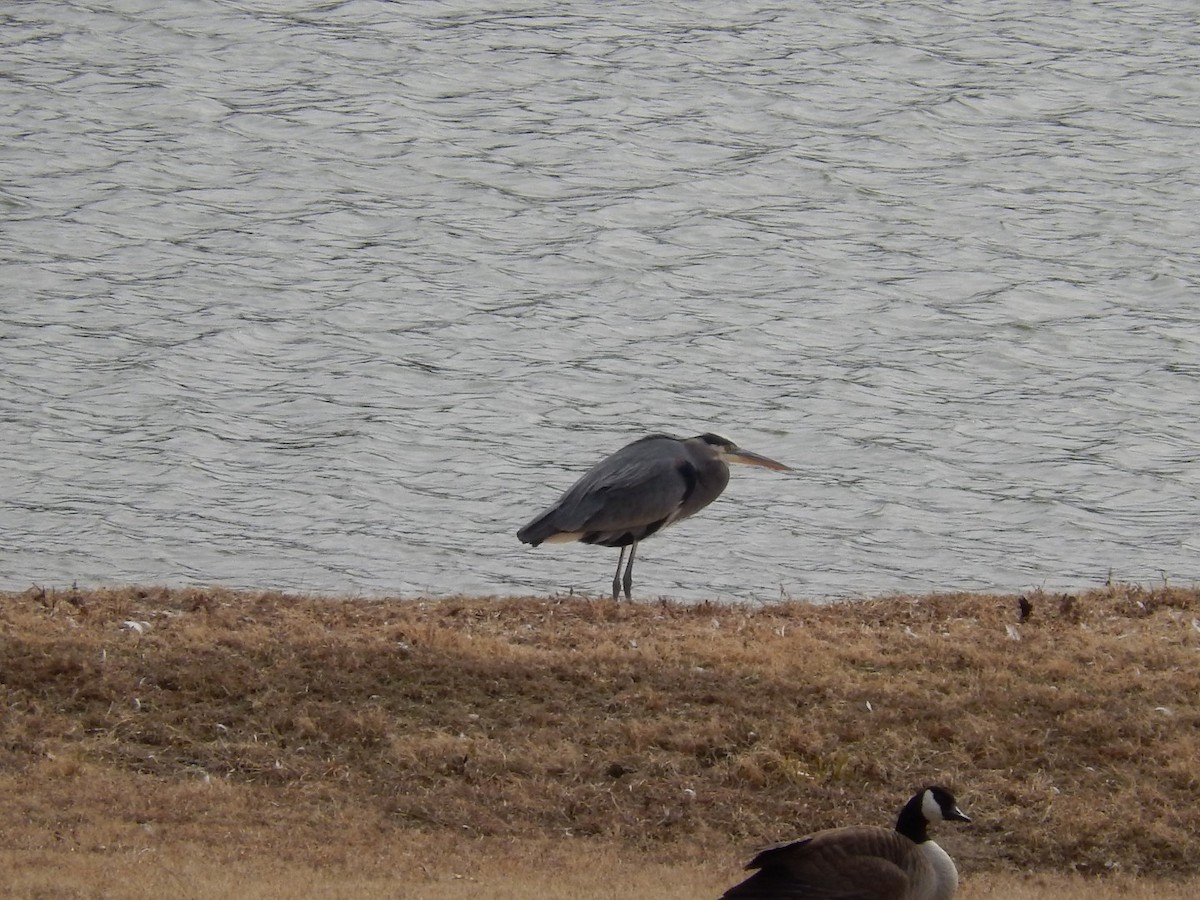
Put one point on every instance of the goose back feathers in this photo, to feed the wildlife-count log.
(861, 862)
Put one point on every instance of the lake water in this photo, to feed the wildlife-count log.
(334, 297)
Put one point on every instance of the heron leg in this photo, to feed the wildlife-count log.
(629, 572)
(617, 577)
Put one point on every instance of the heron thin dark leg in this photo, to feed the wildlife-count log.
(629, 571)
(617, 577)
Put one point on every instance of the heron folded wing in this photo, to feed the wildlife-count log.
(634, 495)
(626, 496)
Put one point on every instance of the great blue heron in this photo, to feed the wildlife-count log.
(642, 488)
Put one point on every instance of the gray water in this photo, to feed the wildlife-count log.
(334, 297)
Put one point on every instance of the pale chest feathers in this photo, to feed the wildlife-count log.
(941, 879)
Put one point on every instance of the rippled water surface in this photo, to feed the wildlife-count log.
(333, 297)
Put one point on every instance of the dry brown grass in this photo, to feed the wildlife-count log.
(521, 871)
(380, 748)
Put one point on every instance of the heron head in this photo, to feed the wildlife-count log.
(729, 452)
(718, 442)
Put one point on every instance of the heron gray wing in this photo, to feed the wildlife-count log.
(628, 490)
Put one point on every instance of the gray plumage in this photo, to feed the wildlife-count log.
(861, 862)
(639, 490)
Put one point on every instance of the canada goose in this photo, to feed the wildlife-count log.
(862, 862)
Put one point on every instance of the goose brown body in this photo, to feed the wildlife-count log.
(861, 862)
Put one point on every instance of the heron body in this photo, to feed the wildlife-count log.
(639, 490)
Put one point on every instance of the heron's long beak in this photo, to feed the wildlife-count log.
(748, 458)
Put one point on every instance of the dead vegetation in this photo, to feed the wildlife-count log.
(317, 730)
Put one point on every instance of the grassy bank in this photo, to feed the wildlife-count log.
(414, 743)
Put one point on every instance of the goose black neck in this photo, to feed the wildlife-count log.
(912, 822)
